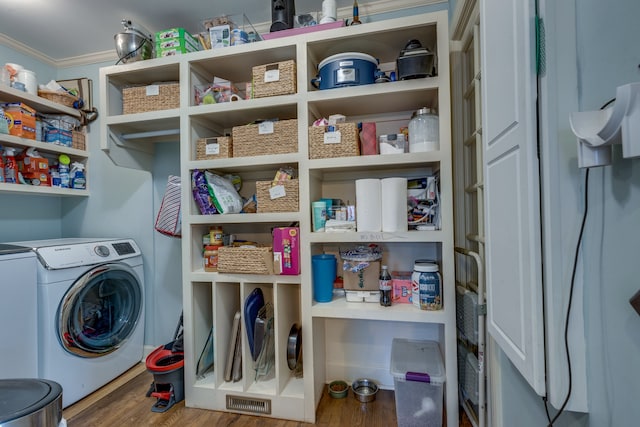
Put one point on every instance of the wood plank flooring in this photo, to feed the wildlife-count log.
(123, 403)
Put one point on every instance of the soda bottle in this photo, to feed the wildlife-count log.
(385, 285)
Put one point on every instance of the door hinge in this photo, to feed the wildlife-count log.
(540, 47)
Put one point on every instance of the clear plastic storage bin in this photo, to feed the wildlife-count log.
(418, 377)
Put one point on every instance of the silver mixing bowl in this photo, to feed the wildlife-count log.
(132, 46)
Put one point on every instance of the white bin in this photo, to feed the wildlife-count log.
(418, 377)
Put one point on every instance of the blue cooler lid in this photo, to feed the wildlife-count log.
(414, 360)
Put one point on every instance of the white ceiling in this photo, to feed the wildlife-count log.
(64, 29)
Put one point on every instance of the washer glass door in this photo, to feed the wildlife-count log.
(100, 310)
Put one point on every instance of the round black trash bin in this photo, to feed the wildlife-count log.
(30, 402)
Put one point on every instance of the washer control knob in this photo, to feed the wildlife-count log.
(102, 251)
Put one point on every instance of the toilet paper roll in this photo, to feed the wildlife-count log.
(393, 194)
(368, 203)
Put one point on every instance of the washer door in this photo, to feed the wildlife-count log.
(100, 310)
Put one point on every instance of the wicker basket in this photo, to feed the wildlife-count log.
(286, 203)
(248, 141)
(245, 259)
(274, 79)
(348, 144)
(63, 98)
(218, 147)
(140, 99)
(78, 139)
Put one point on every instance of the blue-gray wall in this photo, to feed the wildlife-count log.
(608, 56)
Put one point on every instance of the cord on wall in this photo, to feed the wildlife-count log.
(573, 276)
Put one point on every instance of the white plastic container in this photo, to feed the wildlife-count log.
(28, 78)
(418, 378)
(424, 131)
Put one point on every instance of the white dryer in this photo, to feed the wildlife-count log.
(90, 312)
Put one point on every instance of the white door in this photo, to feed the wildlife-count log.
(512, 202)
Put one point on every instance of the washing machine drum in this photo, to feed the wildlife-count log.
(100, 311)
(30, 402)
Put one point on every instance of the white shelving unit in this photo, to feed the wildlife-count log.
(41, 105)
(340, 340)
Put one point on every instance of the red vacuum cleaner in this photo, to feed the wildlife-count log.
(166, 363)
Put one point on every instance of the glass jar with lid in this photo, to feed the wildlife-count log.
(424, 131)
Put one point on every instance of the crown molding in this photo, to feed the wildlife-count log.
(29, 51)
(366, 9)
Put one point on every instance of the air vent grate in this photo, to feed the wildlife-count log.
(256, 406)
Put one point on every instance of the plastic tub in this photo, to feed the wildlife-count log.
(418, 377)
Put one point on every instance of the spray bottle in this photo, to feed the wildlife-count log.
(78, 179)
(10, 166)
(63, 170)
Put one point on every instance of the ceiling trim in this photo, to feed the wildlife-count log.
(23, 48)
(366, 9)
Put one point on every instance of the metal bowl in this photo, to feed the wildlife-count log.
(132, 46)
(364, 390)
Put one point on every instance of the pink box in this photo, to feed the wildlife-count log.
(401, 287)
(286, 250)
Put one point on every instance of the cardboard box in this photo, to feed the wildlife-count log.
(364, 280)
(220, 36)
(183, 44)
(286, 250)
(176, 33)
(21, 120)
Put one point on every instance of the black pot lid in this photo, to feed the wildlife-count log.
(22, 397)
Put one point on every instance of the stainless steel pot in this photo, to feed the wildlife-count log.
(132, 44)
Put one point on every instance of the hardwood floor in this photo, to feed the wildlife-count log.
(123, 403)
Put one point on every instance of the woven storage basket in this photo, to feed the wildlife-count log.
(218, 147)
(140, 99)
(78, 139)
(347, 145)
(287, 203)
(274, 79)
(247, 140)
(58, 97)
(244, 259)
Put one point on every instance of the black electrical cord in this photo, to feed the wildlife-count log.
(573, 277)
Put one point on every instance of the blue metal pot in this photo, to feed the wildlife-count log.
(345, 69)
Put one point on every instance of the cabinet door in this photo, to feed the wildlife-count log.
(511, 179)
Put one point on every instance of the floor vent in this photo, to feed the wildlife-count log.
(256, 406)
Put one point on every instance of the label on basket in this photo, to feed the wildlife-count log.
(212, 148)
(332, 137)
(272, 74)
(265, 128)
(153, 90)
(277, 191)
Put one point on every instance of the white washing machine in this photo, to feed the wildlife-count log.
(90, 312)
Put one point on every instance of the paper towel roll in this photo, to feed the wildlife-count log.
(368, 203)
(393, 196)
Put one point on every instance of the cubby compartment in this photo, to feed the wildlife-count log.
(236, 68)
(201, 320)
(257, 184)
(289, 335)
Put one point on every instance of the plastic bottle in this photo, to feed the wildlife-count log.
(386, 285)
(10, 166)
(63, 170)
(356, 18)
(78, 179)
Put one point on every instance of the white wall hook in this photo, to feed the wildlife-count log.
(597, 130)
